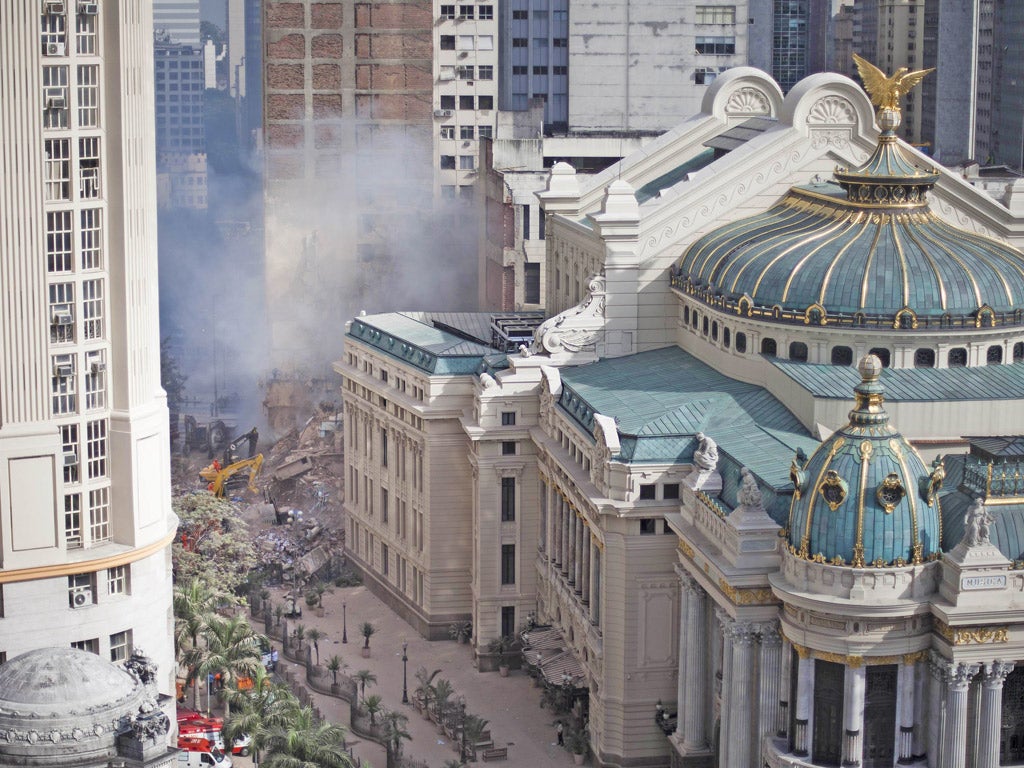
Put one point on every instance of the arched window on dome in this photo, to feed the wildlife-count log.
(842, 356)
(727, 337)
(705, 325)
(686, 315)
(924, 358)
(798, 351)
(695, 318)
(882, 354)
(769, 347)
(714, 331)
(741, 342)
(1018, 351)
(994, 355)
(957, 357)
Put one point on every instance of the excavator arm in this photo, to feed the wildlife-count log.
(217, 477)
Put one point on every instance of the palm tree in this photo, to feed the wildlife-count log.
(315, 636)
(257, 711)
(395, 732)
(367, 631)
(364, 677)
(473, 728)
(306, 742)
(442, 692)
(333, 665)
(194, 603)
(373, 704)
(231, 648)
(426, 687)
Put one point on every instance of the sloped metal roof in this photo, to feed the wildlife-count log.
(408, 336)
(672, 177)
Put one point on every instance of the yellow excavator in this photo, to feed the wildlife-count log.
(221, 478)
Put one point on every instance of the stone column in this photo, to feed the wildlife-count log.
(782, 724)
(954, 750)
(556, 529)
(905, 747)
(992, 679)
(684, 655)
(921, 679)
(804, 702)
(741, 700)
(771, 679)
(585, 566)
(725, 622)
(938, 669)
(566, 515)
(571, 555)
(853, 716)
(695, 701)
(578, 561)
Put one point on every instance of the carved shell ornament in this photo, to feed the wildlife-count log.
(832, 110)
(748, 101)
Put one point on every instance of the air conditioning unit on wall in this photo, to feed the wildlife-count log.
(55, 49)
(81, 597)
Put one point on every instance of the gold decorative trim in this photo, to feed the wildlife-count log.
(802, 651)
(972, 635)
(914, 658)
(597, 542)
(891, 491)
(686, 549)
(833, 490)
(86, 566)
(805, 541)
(747, 596)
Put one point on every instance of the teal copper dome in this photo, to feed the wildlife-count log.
(861, 250)
(865, 497)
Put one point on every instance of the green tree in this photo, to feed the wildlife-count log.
(364, 677)
(373, 704)
(230, 648)
(213, 543)
(314, 636)
(257, 711)
(367, 631)
(333, 665)
(395, 731)
(473, 728)
(306, 742)
(194, 603)
(425, 689)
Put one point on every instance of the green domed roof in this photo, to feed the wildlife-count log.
(865, 497)
(864, 250)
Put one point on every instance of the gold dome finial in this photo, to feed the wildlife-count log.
(885, 91)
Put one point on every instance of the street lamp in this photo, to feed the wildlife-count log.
(405, 660)
(344, 624)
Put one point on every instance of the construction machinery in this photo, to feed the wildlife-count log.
(221, 479)
(208, 436)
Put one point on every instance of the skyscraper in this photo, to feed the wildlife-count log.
(85, 518)
(179, 19)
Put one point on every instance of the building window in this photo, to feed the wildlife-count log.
(485, 102)
(81, 590)
(531, 283)
(54, 34)
(99, 515)
(466, 162)
(385, 559)
(62, 384)
(485, 72)
(384, 505)
(716, 14)
(95, 380)
(994, 355)
(466, 132)
(485, 43)
(384, 446)
(467, 42)
(69, 446)
(768, 347)
(508, 499)
(447, 162)
(741, 342)
(798, 351)
(647, 491)
(842, 356)
(447, 102)
(540, 71)
(447, 11)
(924, 358)
(57, 170)
(704, 76)
(520, 15)
(447, 131)
(648, 526)
(58, 242)
(91, 233)
(508, 448)
(73, 520)
(96, 448)
(466, 11)
(721, 46)
(120, 646)
(1018, 351)
(882, 354)
(520, 42)
(508, 418)
(726, 338)
(92, 309)
(85, 28)
(92, 646)
(670, 491)
(485, 12)
(89, 167)
(88, 96)
(508, 620)
(62, 312)
(466, 102)
(508, 563)
(465, 71)
(55, 97)
(118, 580)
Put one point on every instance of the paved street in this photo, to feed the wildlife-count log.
(510, 704)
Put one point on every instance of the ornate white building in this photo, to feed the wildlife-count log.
(670, 474)
(85, 515)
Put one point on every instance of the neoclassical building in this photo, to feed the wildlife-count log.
(85, 514)
(737, 468)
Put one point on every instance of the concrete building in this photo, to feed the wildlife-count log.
(668, 478)
(534, 58)
(85, 514)
(179, 19)
(180, 82)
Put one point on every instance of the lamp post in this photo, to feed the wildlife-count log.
(344, 624)
(405, 664)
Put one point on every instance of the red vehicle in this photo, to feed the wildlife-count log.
(190, 716)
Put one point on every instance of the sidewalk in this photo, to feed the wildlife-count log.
(510, 704)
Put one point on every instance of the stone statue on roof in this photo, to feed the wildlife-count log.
(706, 454)
(749, 495)
(977, 521)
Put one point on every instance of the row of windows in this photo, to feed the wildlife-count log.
(65, 382)
(467, 72)
(120, 646)
(466, 132)
(95, 451)
(484, 12)
(366, 545)
(719, 45)
(467, 42)
(539, 42)
(523, 15)
(58, 165)
(97, 528)
(64, 311)
(54, 31)
(468, 101)
(466, 162)
(715, 14)
(369, 495)
(540, 71)
(57, 101)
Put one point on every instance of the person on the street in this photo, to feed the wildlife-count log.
(560, 731)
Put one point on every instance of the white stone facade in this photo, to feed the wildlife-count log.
(85, 516)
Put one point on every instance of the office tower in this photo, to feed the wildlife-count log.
(179, 19)
(85, 515)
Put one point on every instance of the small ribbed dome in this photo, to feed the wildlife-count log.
(62, 681)
(863, 250)
(864, 497)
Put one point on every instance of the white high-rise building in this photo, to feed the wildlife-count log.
(85, 516)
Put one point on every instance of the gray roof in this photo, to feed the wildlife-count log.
(63, 681)
(990, 382)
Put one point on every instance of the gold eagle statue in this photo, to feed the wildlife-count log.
(885, 91)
